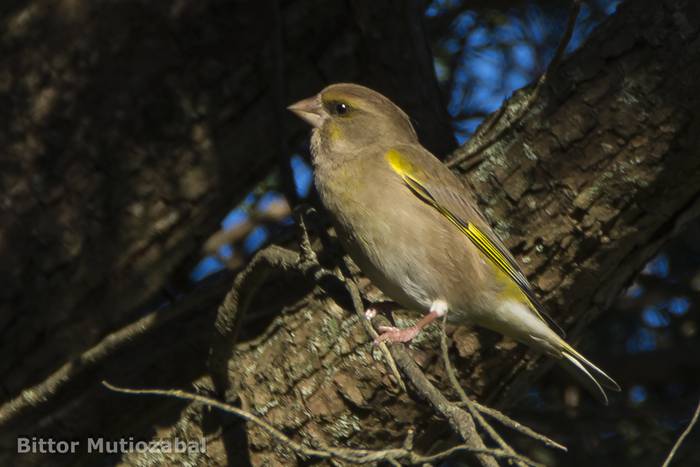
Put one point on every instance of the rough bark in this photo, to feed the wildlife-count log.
(131, 128)
(599, 174)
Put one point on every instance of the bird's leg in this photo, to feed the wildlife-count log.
(391, 334)
(379, 307)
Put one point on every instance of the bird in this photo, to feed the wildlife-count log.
(413, 228)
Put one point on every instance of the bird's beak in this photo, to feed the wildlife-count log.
(309, 110)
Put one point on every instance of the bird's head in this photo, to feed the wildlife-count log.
(348, 118)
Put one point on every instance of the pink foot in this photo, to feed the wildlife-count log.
(392, 334)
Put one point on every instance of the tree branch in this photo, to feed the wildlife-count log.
(682, 437)
(356, 456)
(492, 129)
(92, 358)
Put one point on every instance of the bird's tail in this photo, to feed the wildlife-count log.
(520, 322)
(590, 376)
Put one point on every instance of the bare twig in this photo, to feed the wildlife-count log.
(357, 456)
(307, 252)
(492, 129)
(90, 359)
(272, 214)
(469, 403)
(517, 426)
(460, 421)
(354, 292)
(466, 400)
(309, 255)
(682, 437)
(247, 283)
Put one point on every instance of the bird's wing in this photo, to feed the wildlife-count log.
(437, 186)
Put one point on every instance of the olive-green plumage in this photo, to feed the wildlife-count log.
(412, 227)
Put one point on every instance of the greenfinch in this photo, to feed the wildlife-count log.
(412, 227)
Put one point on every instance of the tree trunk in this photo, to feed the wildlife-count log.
(600, 172)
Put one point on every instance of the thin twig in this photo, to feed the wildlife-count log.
(93, 357)
(466, 400)
(357, 456)
(680, 440)
(517, 426)
(309, 255)
(460, 421)
(354, 292)
(493, 128)
(246, 285)
(493, 413)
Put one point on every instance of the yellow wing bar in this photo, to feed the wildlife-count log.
(492, 250)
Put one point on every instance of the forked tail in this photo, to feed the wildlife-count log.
(590, 375)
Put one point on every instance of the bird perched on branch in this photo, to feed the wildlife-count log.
(413, 228)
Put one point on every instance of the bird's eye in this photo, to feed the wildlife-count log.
(341, 108)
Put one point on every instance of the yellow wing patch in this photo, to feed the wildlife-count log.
(516, 284)
(400, 164)
(409, 173)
